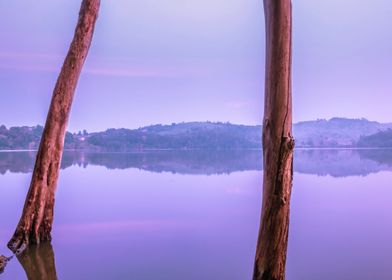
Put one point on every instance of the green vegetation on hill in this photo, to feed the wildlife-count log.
(19, 138)
(337, 132)
(195, 135)
(381, 139)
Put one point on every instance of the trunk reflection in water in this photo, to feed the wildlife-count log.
(38, 262)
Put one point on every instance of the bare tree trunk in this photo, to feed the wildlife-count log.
(38, 262)
(278, 144)
(37, 218)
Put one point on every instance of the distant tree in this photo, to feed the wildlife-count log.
(278, 144)
(36, 222)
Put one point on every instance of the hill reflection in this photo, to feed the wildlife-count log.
(321, 162)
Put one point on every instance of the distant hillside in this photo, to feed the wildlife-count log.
(337, 132)
(23, 137)
(194, 135)
(185, 136)
(381, 139)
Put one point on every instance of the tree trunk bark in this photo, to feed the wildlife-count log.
(278, 144)
(37, 218)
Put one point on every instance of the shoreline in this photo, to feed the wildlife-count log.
(189, 150)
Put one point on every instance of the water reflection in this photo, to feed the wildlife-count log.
(38, 262)
(119, 224)
(321, 162)
(342, 163)
(184, 162)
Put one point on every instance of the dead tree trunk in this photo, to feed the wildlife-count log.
(278, 144)
(37, 218)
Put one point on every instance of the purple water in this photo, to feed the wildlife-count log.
(195, 215)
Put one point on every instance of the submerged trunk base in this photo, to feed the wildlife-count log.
(265, 275)
(36, 223)
(23, 238)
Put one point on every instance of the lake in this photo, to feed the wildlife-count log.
(195, 215)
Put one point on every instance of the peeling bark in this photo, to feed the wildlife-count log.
(39, 262)
(278, 144)
(36, 221)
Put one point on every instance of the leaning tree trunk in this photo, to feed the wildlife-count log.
(37, 218)
(278, 144)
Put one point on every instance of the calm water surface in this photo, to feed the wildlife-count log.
(195, 215)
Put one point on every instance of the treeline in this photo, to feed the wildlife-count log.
(29, 137)
(207, 135)
(20, 138)
(185, 136)
(381, 139)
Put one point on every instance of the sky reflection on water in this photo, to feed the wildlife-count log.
(196, 216)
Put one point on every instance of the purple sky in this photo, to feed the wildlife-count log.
(161, 61)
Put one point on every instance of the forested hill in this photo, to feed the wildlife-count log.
(381, 139)
(336, 132)
(193, 135)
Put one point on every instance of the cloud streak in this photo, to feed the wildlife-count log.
(38, 62)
